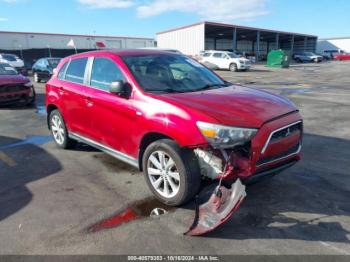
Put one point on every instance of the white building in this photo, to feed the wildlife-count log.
(340, 43)
(26, 40)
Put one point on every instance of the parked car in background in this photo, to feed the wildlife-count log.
(13, 61)
(330, 53)
(226, 60)
(341, 57)
(44, 67)
(14, 87)
(307, 57)
(171, 117)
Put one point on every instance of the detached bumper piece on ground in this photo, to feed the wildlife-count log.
(220, 207)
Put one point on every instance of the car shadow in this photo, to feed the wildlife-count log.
(257, 70)
(304, 203)
(21, 163)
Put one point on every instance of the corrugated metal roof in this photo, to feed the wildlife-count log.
(334, 38)
(234, 26)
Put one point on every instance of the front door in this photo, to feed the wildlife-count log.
(219, 60)
(112, 118)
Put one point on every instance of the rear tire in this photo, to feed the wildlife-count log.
(172, 173)
(233, 67)
(59, 131)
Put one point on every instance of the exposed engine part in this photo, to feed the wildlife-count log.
(220, 207)
(211, 166)
(226, 164)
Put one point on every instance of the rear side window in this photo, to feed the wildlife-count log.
(218, 55)
(11, 58)
(62, 72)
(104, 72)
(76, 70)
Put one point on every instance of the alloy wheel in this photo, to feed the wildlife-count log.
(57, 130)
(163, 174)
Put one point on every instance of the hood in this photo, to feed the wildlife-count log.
(13, 79)
(235, 105)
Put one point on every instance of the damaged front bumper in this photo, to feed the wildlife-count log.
(220, 207)
(276, 145)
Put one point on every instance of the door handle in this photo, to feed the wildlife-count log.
(88, 101)
(61, 90)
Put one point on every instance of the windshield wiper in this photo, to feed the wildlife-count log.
(167, 90)
(209, 86)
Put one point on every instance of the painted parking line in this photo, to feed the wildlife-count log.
(7, 159)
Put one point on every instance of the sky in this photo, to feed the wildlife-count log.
(144, 18)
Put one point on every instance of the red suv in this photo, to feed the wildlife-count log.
(171, 117)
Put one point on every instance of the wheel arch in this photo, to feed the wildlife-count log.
(148, 139)
(49, 109)
(235, 64)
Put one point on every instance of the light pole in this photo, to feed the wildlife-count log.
(48, 47)
(21, 51)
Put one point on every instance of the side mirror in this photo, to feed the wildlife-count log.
(120, 88)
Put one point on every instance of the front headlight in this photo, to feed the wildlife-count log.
(220, 136)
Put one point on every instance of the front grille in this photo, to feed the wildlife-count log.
(284, 154)
(286, 132)
(11, 88)
(8, 92)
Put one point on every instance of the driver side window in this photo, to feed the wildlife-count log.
(104, 72)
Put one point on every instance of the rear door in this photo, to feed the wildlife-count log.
(72, 91)
(45, 70)
(219, 60)
(39, 68)
(112, 118)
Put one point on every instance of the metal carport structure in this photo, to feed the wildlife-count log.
(217, 36)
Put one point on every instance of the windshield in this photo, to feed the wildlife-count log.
(171, 73)
(53, 62)
(233, 55)
(309, 53)
(7, 70)
(11, 58)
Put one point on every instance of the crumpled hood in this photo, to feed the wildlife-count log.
(235, 105)
(13, 79)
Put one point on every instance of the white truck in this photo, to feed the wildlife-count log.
(225, 60)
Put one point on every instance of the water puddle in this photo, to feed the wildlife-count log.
(149, 207)
(33, 140)
(41, 110)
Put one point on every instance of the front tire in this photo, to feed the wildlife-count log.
(172, 173)
(233, 67)
(59, 130)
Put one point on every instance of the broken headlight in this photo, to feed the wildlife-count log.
(220, 136)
